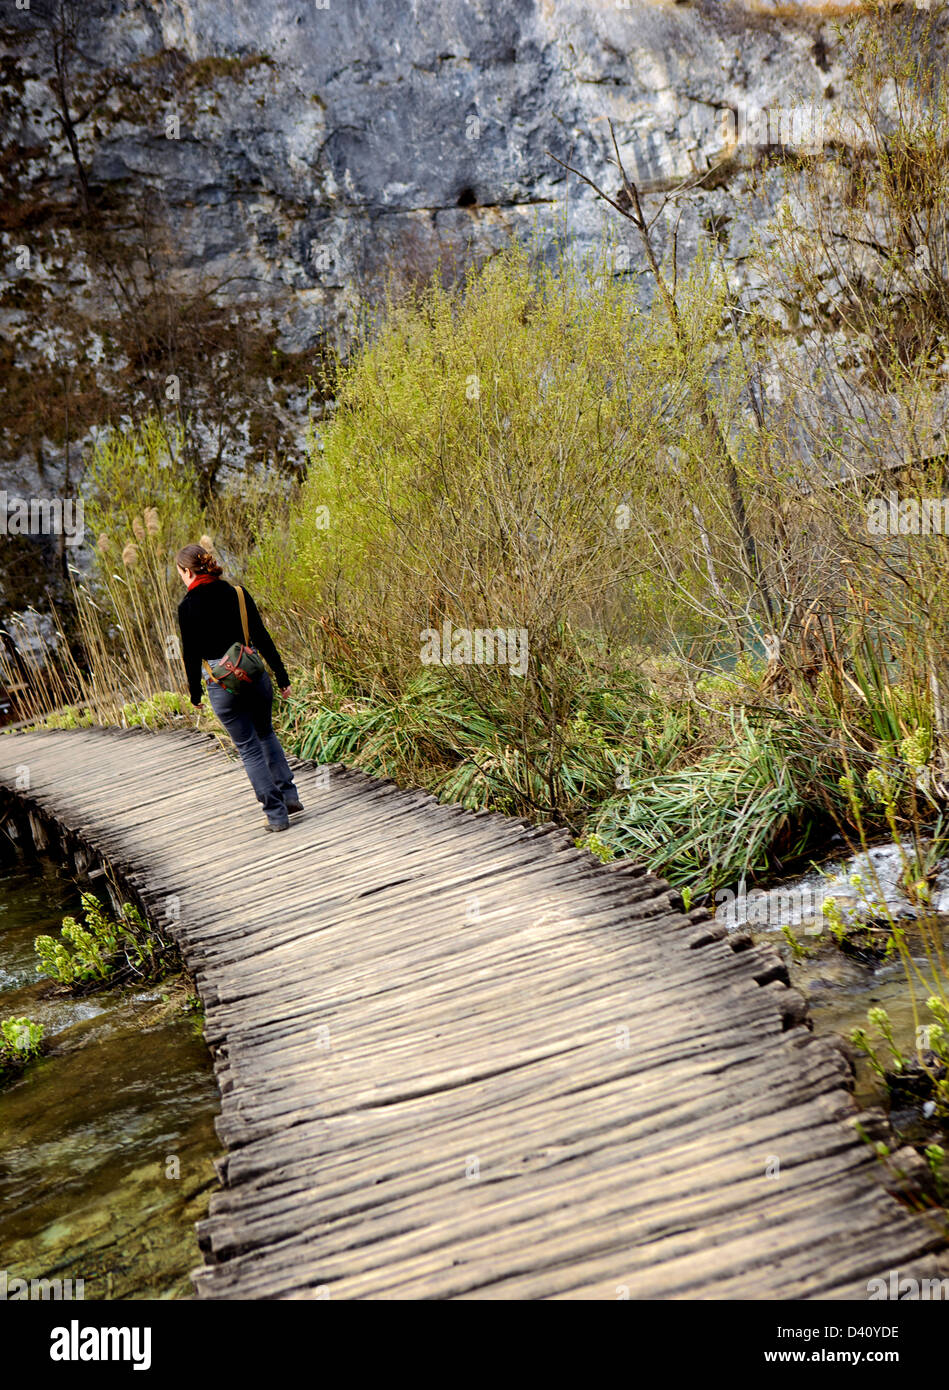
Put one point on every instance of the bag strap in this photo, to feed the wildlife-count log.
(240, 600)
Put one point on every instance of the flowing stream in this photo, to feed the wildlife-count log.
(106, 1142)
(841, 988)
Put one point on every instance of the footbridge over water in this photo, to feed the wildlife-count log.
(459, 1057)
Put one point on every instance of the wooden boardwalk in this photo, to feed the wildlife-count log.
(459, 1058)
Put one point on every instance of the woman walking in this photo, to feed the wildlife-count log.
(211, 620)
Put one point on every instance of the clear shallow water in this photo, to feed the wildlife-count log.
(93, 1134)
(854, 882)
(839, 988)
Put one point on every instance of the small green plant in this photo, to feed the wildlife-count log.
(21, 1036)
(167, 707)
(20, 1041)
(860, 936)
(880, 1019)
(102, 949)
(194, 1009)
(932, 1048)
(72, 717)
(830, 908)
(798, 950)
(861, 1041)
(937, 1040)
(600, 849)
(935, 1156)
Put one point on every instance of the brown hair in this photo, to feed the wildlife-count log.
(198, 560)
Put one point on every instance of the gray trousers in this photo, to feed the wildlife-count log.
(246, 715)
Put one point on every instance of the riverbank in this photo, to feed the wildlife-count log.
(835, 927)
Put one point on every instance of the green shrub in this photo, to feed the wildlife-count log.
(714, 821)
(471, 474)
(937, 1039)
(73, 717)
(438, 736)
(164, 708)
(21, 1036)
(103, 948)
(20, 1041)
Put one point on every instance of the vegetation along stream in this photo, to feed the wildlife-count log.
(107, 1138)
(871, 962)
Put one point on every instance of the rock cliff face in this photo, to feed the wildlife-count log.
(280, 158)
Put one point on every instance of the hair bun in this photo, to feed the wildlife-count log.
(199, 559)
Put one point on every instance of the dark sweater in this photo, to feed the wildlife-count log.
(209, 616)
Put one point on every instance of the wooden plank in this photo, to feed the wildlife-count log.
(618, 1076)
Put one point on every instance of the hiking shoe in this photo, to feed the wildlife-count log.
(277, 825)
(294, 806)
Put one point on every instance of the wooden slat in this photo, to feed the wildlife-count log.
(576, 1094)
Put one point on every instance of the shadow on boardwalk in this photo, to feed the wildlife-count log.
(459, 1057)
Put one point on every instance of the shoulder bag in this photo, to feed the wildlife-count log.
(240, 663)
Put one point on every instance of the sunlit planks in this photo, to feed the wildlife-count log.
(458, 1058)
